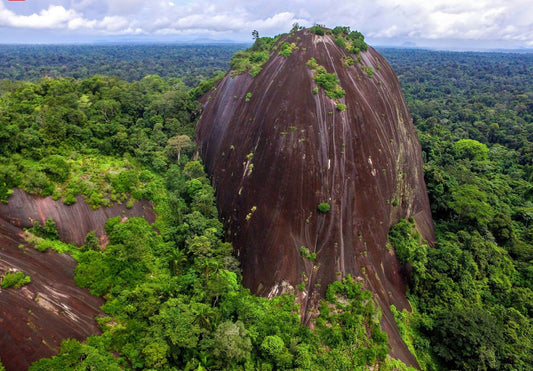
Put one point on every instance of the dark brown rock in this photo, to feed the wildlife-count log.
(35, 319)
(74, 221)
(364, 161)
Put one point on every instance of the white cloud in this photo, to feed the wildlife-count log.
(57, 17)
(53, 17)
(456, 19)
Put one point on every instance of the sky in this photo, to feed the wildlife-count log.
(459, 24)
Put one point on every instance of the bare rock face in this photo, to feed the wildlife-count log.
(73, 222)
(35, 318)
(275, 156)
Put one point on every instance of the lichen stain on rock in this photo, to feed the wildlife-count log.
(365, 161)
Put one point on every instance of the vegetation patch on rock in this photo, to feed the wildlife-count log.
(328, 81)
(14, 279)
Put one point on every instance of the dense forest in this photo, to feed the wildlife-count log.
(472, 291)
(130, 62)
(174, 298)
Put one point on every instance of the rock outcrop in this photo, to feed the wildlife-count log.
(35, 318)
(275, 149)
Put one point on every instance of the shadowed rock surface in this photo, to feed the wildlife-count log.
(273, 159)
(35, 319)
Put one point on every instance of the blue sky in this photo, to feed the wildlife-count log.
(458, 24)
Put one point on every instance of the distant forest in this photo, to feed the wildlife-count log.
(193, 63)
(182, 304)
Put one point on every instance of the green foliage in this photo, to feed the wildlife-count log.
(368, 70)
(306, 254)
(412, 338)
(255, 70)
(127, 62)
(358, 44)
(273, 348)
(205, 86)
(458, 285)
(56, 167)
(407, 246)
(44, 237)
(48, 230)
(38, 183)
(175, 301)
(91, 241)
(353, 41)
(286, 49)
(67, 127)
(340, 30)
(312, 64)
(252, 59)
(349, 324)
(323, 207)
(328, 81)
(317, 30)
(348, 61)
(43, 244)
(240, 62)
(76, 356)
(177, 144)
(69, 199)
(5, 185)
(470, 205)
(341, 43)
(481, 338)
(194, 170)
(341, 107)
(471, 149)
(174, 298)
(15, 280)
(125, 261)
(470, 289)
(231, 343)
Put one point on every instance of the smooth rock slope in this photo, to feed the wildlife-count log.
(275, 150)
(35, 318)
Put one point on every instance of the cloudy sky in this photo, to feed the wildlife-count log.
(447, 23)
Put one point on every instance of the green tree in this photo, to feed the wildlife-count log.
(46, 230)
(471, 149)
(470, 204)
(76, 356)
(231, 343)
(467, 339)
(274, 349)
(179, 325)
(178, 143)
